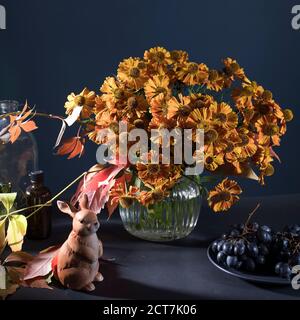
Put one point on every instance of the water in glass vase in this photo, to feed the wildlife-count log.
(173, 218)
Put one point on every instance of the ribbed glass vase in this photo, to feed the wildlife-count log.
(173, 218)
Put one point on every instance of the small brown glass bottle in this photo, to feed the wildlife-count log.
(39, 224)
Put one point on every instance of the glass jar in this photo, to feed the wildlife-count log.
(19, 158)
(173, 218)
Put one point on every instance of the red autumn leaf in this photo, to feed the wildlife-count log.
(38, 282)
(54, 263)
(102, 178)
(87, 178)
(19, 257)
(99, 197)
(15, 274)
(73, 146)
(40, 266)
(97, 186)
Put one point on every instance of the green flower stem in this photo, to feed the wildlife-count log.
(56, 196)
(46, 115)
(15, 113)
(195, 181)
(24, 209)
(60, 193)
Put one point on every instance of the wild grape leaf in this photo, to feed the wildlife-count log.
(86, 179)
(15, 274)
(40, 266)
(2, 235)
(7, 285)
(103, 177)
(14, 132)
(98, 198)
(97, 186)
(73, 146)
(11, 288)
(28, 126)
(16, 231)
(19, 123)
(8, 200)
(78, 149)
(38, 282)
(18, 257)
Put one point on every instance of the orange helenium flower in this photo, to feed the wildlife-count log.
(85, 99)
(159, 84)
(131, 74)
(224, 195)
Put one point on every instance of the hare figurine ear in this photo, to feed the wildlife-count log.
(84, 202)
(66, 208)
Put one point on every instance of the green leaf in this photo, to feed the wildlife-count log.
(8, 199)
(16, 231)
(207, 179)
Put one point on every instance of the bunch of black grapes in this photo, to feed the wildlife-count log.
(256, 248)
(285, 253)
(245, 247)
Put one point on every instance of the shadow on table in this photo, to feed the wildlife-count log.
(119, 288)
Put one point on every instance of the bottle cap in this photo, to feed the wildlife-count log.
(37, 176)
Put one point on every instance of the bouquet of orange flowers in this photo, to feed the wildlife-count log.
(165, 90)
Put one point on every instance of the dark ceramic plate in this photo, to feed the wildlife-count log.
(267, 279)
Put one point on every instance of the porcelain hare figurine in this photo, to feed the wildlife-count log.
(77, 259)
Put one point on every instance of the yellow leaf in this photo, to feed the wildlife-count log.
(8, 199)
(2, 235)
(16, 231)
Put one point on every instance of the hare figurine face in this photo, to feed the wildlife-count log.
(85, 223)
(77, 260)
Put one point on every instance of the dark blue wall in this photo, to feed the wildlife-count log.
(53, 47)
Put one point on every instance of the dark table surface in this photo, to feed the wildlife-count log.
(174, 270)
